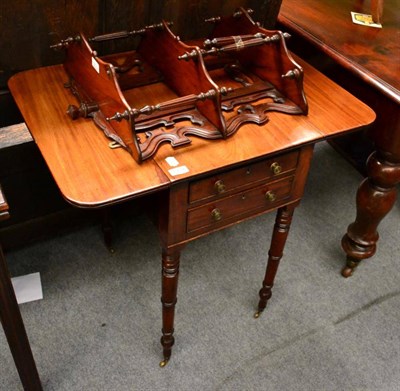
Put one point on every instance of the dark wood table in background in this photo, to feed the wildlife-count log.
(368, 65)
(191, 203)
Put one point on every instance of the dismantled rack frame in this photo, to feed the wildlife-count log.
(167, 89)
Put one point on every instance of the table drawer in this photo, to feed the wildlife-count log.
(220, 185)
(229, 208)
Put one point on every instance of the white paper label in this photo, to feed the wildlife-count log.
(172, 161)
(95, 65)
(364, 20)
(27, 288)
(178, 170)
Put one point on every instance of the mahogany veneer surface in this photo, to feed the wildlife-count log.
(86, 170)
(90, 174)
(332, 111)
(371, 53)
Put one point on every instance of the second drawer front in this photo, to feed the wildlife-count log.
(225, 210)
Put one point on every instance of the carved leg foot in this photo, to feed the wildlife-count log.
(170, 273)
(279, 236)
(375, 198)
(351, 264)
(163, 363)
(265, 294)
(167, 341)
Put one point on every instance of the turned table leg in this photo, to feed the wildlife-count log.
(375, 198)
(169, 283)
(279, 236)
(15, 331)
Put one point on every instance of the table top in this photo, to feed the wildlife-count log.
(370, 53)
(90, 174)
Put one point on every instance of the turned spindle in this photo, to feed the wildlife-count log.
(128, 34)
(168, 105)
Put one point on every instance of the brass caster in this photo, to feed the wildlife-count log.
(351, 264)
(163, 363)
(347, 272)
(257, 314)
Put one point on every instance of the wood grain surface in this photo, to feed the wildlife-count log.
(371, 53)
(90, 174)
(86, 170)
(332, 111)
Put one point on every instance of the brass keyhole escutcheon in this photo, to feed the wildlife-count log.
(219, 186)
(276, 168)
(216, 214)
(270, 196)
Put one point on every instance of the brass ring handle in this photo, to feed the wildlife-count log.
(276, 168)
(216, 214)
(270, 196)
(219, 186)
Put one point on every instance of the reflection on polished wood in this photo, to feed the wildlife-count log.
(369, 58)
(376, 10)
(371, 54)
(262, 168)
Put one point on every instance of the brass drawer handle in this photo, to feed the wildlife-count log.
(270, 196)
(276, 168)
(216, 214)
(219, 186)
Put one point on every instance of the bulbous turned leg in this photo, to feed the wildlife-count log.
(279, 236)
(170, 273)
(375, 198)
